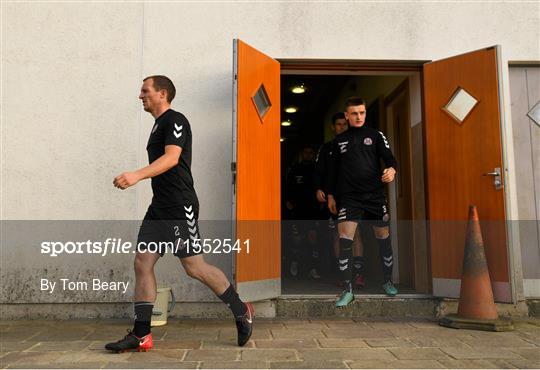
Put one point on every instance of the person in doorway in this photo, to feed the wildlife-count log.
(339, 125)
(357, 181)
(171, 217)
(304, 210)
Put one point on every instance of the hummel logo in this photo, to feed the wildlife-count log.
(177, 130)
(343, 146)
(385, 141)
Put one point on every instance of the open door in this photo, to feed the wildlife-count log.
(464, 166)
(256, 173)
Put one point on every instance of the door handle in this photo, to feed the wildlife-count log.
(496, 177)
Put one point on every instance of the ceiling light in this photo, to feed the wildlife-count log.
(286, 123)
(291, 109)
(298, 89)
(281, 140)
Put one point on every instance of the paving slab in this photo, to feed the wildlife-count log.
(418, 353)
(440, 342)
(176, 344)
(60, 346)
(345, 354)
(153, 365)
(164, 355)
(513, 341)
(212, 355)
(468, 364)
(342, 343)
(232, 334)
(322, 343)
(396, 364)
(286, 343)
(34, 358)
(235, 365)
(524, 364)
(389, 343)
(269, 355)
(76, 365)
(479, 353)
(225, 344)
(192, 334)
(532, 354)
(16, 346)
(357, 333)
(296, 334)
(323, 364)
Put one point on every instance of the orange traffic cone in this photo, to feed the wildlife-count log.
(476, 308)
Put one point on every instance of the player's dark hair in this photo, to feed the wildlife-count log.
(336, 116)
(163, 83)
(353, 101)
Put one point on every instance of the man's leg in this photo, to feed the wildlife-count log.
(140, 337)
(382, 234)
(313, 244)
(346, 231)
(197, 268)
(358, 259)
(145, 291)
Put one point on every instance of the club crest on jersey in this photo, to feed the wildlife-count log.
(154, 129)
(343, 146)
(368, 141)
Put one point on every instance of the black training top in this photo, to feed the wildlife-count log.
(300, 189)
(175, 186)
(321, 165)
(355, 163)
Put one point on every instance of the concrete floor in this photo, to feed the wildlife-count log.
(325, 343)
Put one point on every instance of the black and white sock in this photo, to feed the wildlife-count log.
(358, 264)
(345, 257)
(233, 301)
(387, 260)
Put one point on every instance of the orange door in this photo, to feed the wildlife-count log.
(463, 153)
(256, 160)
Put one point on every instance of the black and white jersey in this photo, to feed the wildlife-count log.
(175, 186)
(355, 163)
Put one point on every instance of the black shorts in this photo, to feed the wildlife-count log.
(169, 228)
(370, 207)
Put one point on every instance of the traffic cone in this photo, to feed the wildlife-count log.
(476, 308)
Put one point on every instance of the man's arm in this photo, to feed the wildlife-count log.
(331, 178)
(383, 148)
(320, 169)
(164, 163)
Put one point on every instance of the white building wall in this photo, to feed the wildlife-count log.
(71, 73)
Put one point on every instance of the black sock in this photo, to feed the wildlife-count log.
(358, 264)
(387, 260)
(345, 256)
(233, 301)
(143, 317)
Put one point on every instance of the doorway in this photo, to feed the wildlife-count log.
(309, 99)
